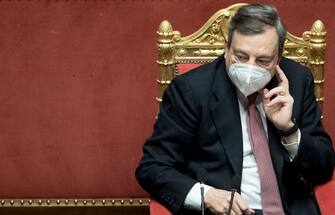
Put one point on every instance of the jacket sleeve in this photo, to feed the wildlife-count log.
(314, 162)
(162, 167)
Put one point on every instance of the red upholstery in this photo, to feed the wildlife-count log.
(158, 209)
(183, 68)
(325, 196)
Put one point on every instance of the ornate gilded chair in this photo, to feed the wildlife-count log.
(177, 54)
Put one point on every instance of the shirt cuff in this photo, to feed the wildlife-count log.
(291, 143)
(193, 198)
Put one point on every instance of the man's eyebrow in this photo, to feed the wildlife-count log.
(270, 57)
(265, 57)
(240, 51)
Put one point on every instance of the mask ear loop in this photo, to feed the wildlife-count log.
(279, 59)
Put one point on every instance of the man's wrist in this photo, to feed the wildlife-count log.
(193, 200)
(292, 128)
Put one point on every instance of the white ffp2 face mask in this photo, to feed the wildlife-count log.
(248, 78)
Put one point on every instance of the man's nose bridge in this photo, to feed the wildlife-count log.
(252, 61)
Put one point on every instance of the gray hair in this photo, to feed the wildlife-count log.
(253, 19)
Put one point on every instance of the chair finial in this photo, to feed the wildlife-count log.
(165, 27)
(318, 27)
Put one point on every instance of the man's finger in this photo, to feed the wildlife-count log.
(236, 208)
(275, 92)
(278, 100)
(248, 212)
(242, 206)
(266, 100)
(281, 77)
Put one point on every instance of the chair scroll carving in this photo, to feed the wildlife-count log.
(209, 42)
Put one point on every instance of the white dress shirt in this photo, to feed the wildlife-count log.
(250, 183)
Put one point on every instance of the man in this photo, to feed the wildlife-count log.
(247, 121)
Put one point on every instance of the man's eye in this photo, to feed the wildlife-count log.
(263, 62)
(241, 58)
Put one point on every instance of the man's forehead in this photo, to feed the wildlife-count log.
(268, 31)
(267, 41)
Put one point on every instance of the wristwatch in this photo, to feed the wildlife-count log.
(288, 132)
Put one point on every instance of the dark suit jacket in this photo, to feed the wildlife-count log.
(199, 128)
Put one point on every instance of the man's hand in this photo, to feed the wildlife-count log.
(217, 201)
(279, 109)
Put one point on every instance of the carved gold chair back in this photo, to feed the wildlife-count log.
(209, 42)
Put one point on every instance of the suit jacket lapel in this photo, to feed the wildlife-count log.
(226, 117)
